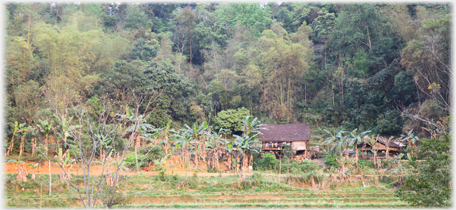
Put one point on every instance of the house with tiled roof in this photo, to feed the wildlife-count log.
(275, 136)
(381, 145)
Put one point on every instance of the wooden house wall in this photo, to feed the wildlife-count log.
(299, 145)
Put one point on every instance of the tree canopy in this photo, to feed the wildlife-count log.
(383, 67)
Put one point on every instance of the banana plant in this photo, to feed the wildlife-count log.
(140, 129)
(373, 141)
(65, 129)
(105, 142)
(357, 138)
(137, 127)
(182, 143)
(198, 134)
(228, 147)
(387, 148)
(334, 138)
(23, 131)
(247, 145)
(34, 166)
(165, 131)
(410, 139)
(252, 125)
(33, 140)
(15, 161)
(46, 128)
(344, 143)
(20, 168)
(213, 146)
(63, 160)
(11, 145)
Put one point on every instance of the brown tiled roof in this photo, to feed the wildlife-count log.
(285, 132)
(383, 141)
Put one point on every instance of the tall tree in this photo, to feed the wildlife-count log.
(286, 63)
(176, 88)
(253, 16)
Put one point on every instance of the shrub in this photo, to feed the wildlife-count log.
(151, 153)
(366, 163)
(268, 162)
(296, 167)
(130, 160)
(114, 197)
(231, 119)
(330, 161)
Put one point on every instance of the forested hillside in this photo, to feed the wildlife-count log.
(383, 67)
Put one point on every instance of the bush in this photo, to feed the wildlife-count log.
(429, 184)
(152, 152)
(268, 162)
(296, 167)
(114, 197)
(366, 163)
(130, 160)
(231, 119)
(249, 182)
(330, 161)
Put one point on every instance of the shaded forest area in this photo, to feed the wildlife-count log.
(382, 67)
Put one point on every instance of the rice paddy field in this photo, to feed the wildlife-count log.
(259, 190)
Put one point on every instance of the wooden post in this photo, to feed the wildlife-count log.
(41, 190)
(50, 178)
(280, 168)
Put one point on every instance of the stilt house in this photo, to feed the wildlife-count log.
(380, 145)
(275, 136)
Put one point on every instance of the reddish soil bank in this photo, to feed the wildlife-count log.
(172, 166)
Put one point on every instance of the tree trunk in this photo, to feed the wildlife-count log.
(57, 147)
(368, 37)
(33, 146)
(50, 178)
(21, 148)
(46, 144)
(410, 147)
(196, 156)
(387, 154)
(375, 159)
(10, 148)
(357, 157)
(230, 164)
(166, 143)
(250, 159)
(136, 152)
(280, 168)
(346, 151)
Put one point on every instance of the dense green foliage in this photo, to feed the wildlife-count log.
(378, 67)
(330, 161)
(231, 119)
(429, 185)
(97, 75)
(269, 162)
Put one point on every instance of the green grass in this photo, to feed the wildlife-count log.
(200, 192)
(266, 205)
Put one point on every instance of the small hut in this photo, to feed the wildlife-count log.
(275, 136)
(380, 145)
